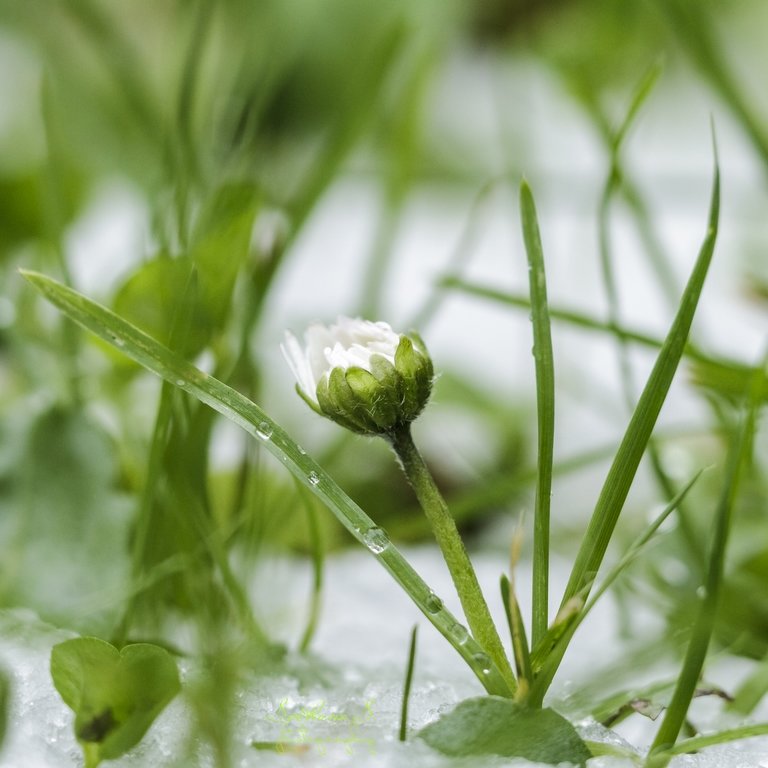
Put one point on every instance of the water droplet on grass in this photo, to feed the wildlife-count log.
(179, 382)
(376, 540)
(264, 430)
(459, 633)
(433, 603)
(483, 660)
(313, 478)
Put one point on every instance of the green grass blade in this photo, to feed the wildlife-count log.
(752, 690)
(160, 360)
(695, 29)
(520, 649)
(318, 563)
(612, 185)
(630, 452)
(741, 447)
(545, 408)
(710, 366)
(465, 245)
(403, 733)
(721, 737)
(553, 647)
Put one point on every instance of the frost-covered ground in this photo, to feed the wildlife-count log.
(341, 705)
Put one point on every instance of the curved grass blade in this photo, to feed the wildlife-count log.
(548, 655)
(545, 409)
(403, 733)
(318, 563)
(163, 362)
(701, 634)
(520, 649)
(719, 366)
(613, 185)
(638, 433)
(627, 459)
(721, 737)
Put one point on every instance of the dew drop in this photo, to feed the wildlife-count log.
(459, 633)
(313, 478)
(376, 540)
(302, 451)
(264, 430)
(483, 660)
(433, 603)
(179, 382)
(119, 342)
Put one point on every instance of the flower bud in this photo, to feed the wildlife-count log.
(361, 374)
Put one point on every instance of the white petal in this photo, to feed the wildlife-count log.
(348, 342)
(297, 361)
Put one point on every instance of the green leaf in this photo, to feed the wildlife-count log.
(220, 246)
(153, 296)
(495, 726)
(66, 501)
(545, 410)
(115, 695)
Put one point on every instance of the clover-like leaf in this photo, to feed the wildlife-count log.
(115, 695)
(492, 725)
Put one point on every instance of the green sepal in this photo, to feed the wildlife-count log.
(391, 390)
(335, 399)
(382, 399)
(308, 400)
(380, 403)
(415, 370)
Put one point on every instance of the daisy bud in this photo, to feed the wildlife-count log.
(361, 374)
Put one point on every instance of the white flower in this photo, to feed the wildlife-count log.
(350, 342)
(361, 374)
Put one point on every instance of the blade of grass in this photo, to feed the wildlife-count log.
(407, 685)
(553, 647)
(545, 409)
(613, 185)
(740, 451)
(721, 737)
(627, 459)
(630, 452)
(160, 360)
(464, 247)
(585, 322)
(751, 692)
(318, 560)
(694, 28)
(520, 649)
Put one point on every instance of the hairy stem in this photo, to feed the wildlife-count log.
(455, 554)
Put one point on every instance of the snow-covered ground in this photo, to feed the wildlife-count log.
(340, 706)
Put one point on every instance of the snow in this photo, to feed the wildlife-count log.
(340, 705)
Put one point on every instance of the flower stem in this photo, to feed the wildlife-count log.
(450, 542)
